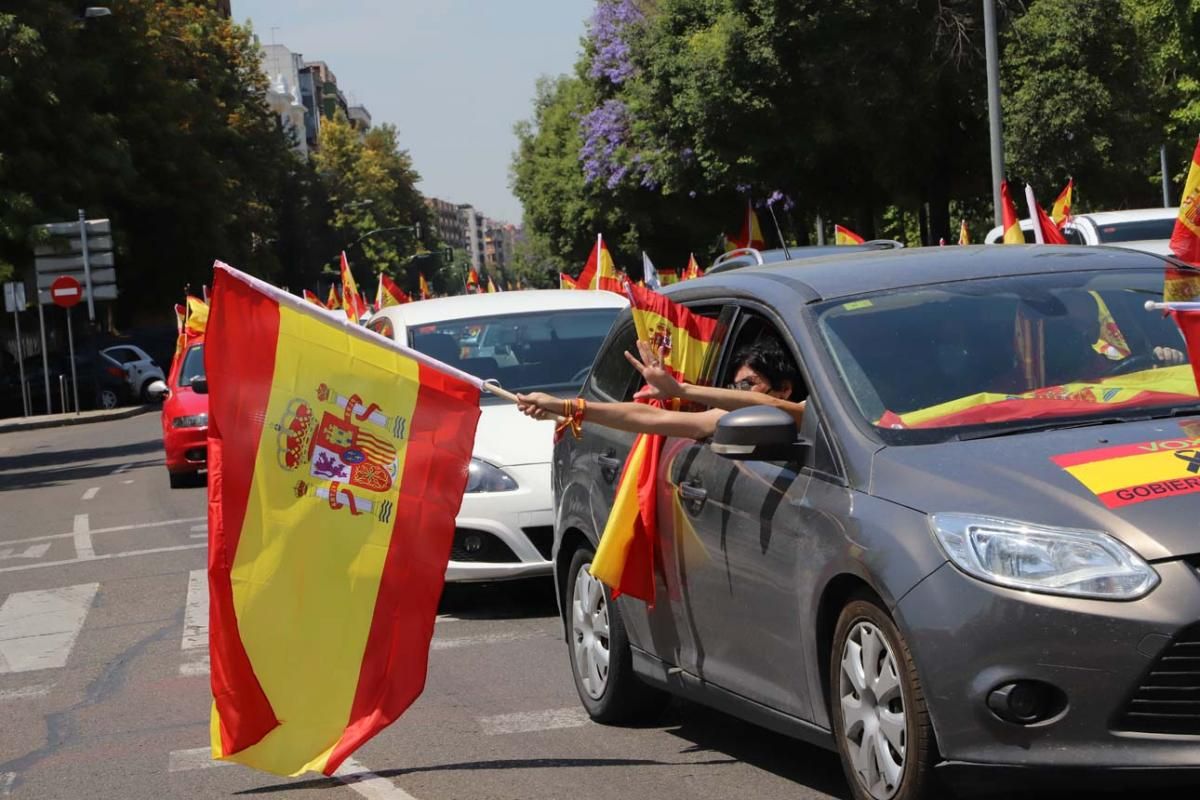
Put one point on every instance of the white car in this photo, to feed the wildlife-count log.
(1146, 229)
(140, 369)
(528, 341)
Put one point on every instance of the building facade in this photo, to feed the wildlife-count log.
(282, 68)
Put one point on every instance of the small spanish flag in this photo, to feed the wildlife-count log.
(843, 235)
(312, 298)
(491, 286)
(423, 286)
(624, 560)
(565, 281)
(472, 281)
(750, 235)
(197, 317)
(599, 272)
(337, 463)
(1185, 240)
(1008, 217)
(333, 300)
(964, 236)
(389, 294)
(352, 304)
(692, 270)
(1060, 212)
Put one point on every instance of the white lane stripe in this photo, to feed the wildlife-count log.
(83, 538)
(529, 721)
(38, 628)
(196, 758)
(105, 557)
(6, 782)
(200, 665)
(114, 529)
(92, 492)
(33, 551)
(195, 613)
(447, 618)
(25, 692)
(484, 638)
(121, 469)
(201, 527)
(128, 481)
(367, 783)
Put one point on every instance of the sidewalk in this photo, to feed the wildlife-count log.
(58, 420)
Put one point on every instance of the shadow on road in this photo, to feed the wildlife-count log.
(52, 467)
(524, 599)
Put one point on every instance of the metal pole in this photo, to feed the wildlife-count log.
(995, 123)
(62, 392)
(71, 349)
(820, 231)
(87, 270)
(1162, 162)
(45, 357)
(20, 359)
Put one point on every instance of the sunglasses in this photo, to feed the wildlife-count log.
(745, 384)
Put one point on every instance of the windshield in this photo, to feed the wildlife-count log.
(544, 350)
(1136, 231)
(996, 354)
(193, 366)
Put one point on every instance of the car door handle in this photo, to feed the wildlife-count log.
(610, 465)
(694, 496)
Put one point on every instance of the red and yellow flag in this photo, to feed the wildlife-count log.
(389, 294)
(1008, 217)
(1051, 233)
(667, 276)
(197, 317)
(423, 286)
(1111, 344)
(692, 270)
(843, 235)
(750, 234)
(312, 298)
(1189, 323)
(1185, 240)
(1060, 212)
(565, 281)
(491, 286)
(472, 281)
(964, 236)
(333, 300)
(599, 272)
(337, 463)
(624, 560)
(352, 304)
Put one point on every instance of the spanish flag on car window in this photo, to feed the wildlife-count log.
(625, 558)
(337, 463)
(1008, 218)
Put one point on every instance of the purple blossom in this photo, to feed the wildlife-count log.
(605, 129)
(742, 188)
(779, 197)
(607, 28)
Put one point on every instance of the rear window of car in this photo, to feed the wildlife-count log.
(1136, 231)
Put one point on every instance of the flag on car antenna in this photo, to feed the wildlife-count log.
(750, 234)
(843, 235)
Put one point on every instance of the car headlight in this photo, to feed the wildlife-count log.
(1038, 558)
(192, 421)
(483, 477)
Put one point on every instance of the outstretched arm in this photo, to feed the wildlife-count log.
(632, 417)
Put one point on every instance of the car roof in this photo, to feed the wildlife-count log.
(442, 309)
(852, 274)
(1130, 215)
(745, 259)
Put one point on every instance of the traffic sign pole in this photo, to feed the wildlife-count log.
(87, 269)
(21, 363)
(45, 357)
(71, 349)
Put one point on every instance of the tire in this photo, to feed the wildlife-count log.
(615, 695)
(107, 399)
(880, 689)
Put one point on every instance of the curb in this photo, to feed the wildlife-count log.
(62, 420)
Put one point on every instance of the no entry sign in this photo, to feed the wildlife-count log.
(66, 291)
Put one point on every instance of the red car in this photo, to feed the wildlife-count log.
(185, 418)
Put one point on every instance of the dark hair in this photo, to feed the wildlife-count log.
(768, 358)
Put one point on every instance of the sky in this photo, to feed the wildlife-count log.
(453, 75)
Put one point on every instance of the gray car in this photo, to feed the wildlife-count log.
(978, 557)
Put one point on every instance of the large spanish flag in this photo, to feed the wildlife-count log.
(1185, 240)
(337, 463)
(843, 235)
(624, 560)
(1008, 218)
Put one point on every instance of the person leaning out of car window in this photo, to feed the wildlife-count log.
(765, 375)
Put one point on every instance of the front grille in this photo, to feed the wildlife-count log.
(1168, 699)
(542, 538)
(480, 547)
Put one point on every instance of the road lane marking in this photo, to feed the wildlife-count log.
(39, 628)
(366, 783)
(92, 492)
(105, 557)
(199, 666)
(33, 551)
(128, 481)
(6, 782)
(529, 721)
(121, 469)
(83, 538)
(195, 626)
(447, 618)
(483, 638)
(115, 529)
(196, 758)
(25, 692)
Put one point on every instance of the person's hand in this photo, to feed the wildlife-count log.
(538, 405)
(659, 382)
(1170, 356)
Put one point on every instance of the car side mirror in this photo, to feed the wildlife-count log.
(200, 385)
(758, 433)
(157, 390)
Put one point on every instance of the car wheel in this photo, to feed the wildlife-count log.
(601, 662)
(880, 721)
(107, 399)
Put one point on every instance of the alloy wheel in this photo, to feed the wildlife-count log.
(874, 722)
(589, 633)
(108, 399)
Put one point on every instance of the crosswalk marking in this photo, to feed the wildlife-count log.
(196, 758)
(33, 551)
(366, 783)
(126, 554)
(115, 529)
(39, 628)
(195, 626)
(25, 692)
(483, 638)
(83, 538)
(528, 721)
(91, 493)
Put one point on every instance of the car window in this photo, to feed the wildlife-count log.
(1073, 235)
(753, 329)
(192, 367)
(123, 354)
(1136, 231)
(613, 378)
(383, 326)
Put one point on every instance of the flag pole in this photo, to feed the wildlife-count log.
(1180, 306)
(1031, 202)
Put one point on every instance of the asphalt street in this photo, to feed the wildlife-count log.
(104, 687)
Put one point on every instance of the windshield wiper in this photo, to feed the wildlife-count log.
(1045, 426)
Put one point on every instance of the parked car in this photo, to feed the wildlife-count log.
(978, 557)
(1147, 229)
(527, 340)
(140, 369)
(101, 384)
(185, 417)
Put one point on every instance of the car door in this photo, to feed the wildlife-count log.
(738, 553)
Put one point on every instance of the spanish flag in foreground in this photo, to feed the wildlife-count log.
(337, 463)
(624, 560)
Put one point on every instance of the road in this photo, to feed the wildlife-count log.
(104, 687)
